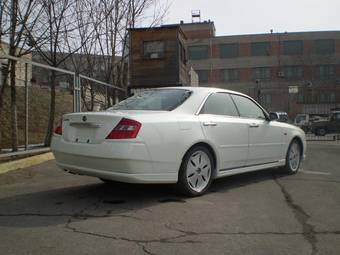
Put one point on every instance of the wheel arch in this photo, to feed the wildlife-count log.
(299, 140)
(212, 151)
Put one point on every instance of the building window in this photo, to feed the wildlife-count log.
(153, 49)
(293, 72)
(261, 73)
(230, 50)
(327, 98)
(326, 72)
(266, 99)
(293, 47)
(332, 97)
(203, 76)
(228, 75)
(324, 46)
(260, 49)
(198, 52)
(300, 98)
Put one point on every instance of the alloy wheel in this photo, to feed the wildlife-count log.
(294, 157)
(198, 171)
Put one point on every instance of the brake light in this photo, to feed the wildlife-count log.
(125, 129)
(59, 129)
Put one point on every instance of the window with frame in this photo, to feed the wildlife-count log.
(300, 98)
(230, 50)
(247, 108)
(219, 104)
(260, 48)
(326, 72)
(198, 52)
(327, 97)
(293, 72)
(266, 99)
(229, 75)
(203, 76)
(293, 47)
(153, 49)
(324, 46)
(261, 73)
(332, 97)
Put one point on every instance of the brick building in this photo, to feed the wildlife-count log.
(157, 57)
(264, 66)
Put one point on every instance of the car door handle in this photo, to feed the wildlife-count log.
(253, 125)
(209, 123)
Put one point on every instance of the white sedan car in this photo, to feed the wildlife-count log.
(182, 135)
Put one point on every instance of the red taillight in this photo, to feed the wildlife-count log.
(59, 129)
(126, 129)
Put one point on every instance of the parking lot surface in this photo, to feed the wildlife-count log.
(44, 210)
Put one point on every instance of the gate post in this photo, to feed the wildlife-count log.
(26, 106)
(76, 93)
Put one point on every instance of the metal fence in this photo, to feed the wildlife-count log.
(318, 124)
(33, 103)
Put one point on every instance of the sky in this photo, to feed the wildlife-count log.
(259, 16)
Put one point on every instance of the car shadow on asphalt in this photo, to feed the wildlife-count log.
(100, 200)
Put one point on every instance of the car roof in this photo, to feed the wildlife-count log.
(206, 90)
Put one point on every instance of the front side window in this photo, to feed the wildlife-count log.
(219, 104)
(247, 108)
(198, 52)
(154, 100)
(153, 49)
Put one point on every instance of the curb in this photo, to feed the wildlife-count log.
(26, 162)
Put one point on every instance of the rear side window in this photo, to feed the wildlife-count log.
(154, 100)
(219, 104)
(247, 108)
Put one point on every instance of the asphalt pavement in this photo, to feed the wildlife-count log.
(44, 210)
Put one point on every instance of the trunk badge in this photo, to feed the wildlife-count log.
(84, 118)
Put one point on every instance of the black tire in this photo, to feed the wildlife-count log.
(184, 186)
(290, 168)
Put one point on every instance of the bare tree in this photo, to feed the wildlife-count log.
(16, 17)
(112, 34)
(55, 23)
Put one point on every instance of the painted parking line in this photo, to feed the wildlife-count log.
(314, 172)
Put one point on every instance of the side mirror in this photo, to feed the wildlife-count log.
(273, 116)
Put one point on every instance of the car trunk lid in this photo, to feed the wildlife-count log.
(91, 128)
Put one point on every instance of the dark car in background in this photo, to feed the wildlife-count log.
(330, 125)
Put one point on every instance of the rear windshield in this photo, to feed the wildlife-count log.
(154, 100)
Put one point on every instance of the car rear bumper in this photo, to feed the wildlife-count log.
(120, 161)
